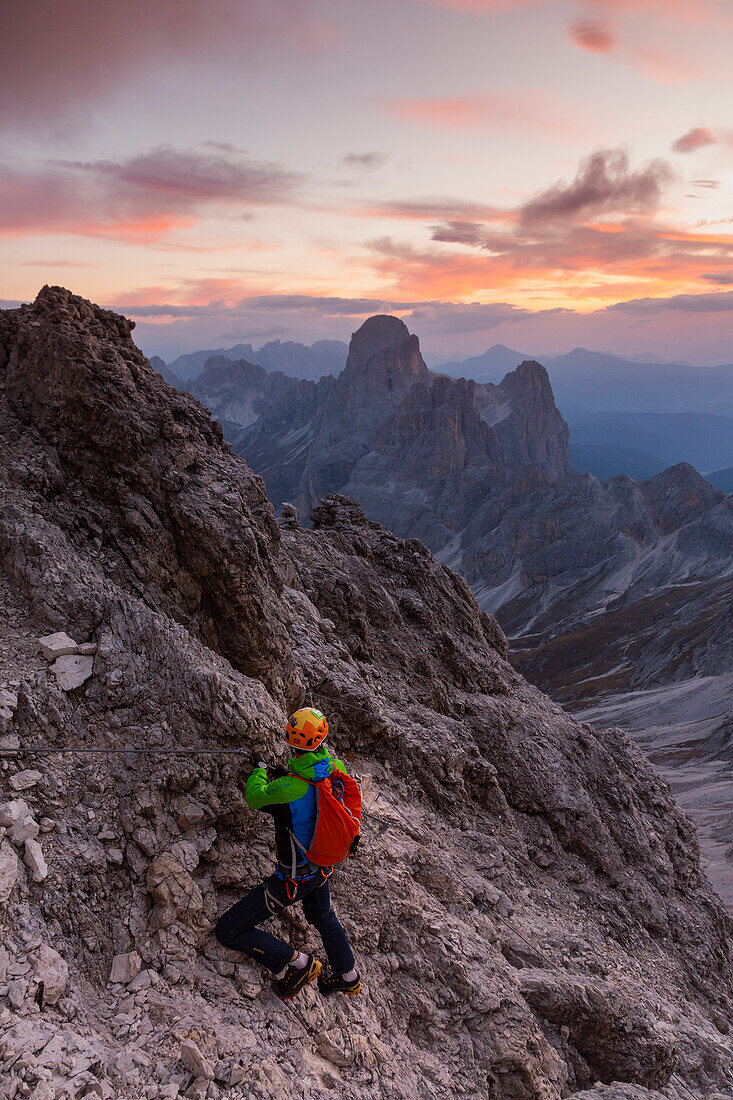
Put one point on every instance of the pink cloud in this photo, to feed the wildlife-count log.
(590, 34)
(531, 109)
(693, 139)
(603, 220)
(431, 209)
(143, 197)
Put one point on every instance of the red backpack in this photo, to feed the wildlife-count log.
(338, 814)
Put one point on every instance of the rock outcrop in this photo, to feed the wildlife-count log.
(606, 590)
(528, 906)
(419, 451)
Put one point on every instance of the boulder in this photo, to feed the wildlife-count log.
(23, 781)
(331, 1052)
(34, 860)
(72, 671)
(17, 818)
(174, 891)
(50, 968)
(125, 967)
(57, 645)
(8, 871)
(8, 704)
(195, 1061)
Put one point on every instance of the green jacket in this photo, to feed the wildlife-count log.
(292, 802)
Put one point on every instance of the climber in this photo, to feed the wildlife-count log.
(297, 801)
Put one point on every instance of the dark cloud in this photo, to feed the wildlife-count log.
(185, 176)
(365, 162)
(274, 303)
(149, 193)
(721, 302)
(557, 247)
(603, 184)
(435, 318)
(458, 232)
(591, 34)
(430, 209)
(693, 139)
(722, 278)
(345, 306)
(60, 58)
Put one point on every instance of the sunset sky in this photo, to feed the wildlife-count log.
(540, 174)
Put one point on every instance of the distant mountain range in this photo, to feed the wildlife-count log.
(586, 381)
(643, 443)
(299, 360)
(633, 417)
(604, 587)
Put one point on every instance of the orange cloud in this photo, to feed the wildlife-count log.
(694, 139)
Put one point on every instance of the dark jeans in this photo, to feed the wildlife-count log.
(237, 927)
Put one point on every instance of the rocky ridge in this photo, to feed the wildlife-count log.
(607, 590)
(529, 911)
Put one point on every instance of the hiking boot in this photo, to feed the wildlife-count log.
(295, 978)
(334, 983)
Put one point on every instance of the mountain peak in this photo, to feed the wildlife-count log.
(384, 349)
(382, 329)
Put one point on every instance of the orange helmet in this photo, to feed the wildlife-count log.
(306, 729)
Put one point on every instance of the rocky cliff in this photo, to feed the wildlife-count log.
(528, 907)
(420, 451)
(579, 572)
(606, 590)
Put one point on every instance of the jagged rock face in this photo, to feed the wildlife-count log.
(170, 376)
(585, 576)
(322, 358)
(145, 471)
(527, 907)
(626, 576)
(437, 445)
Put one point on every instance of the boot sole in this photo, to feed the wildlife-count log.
(315, 971)
(346, 992)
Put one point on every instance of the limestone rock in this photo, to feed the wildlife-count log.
(8, 871)
(50, 968)
(23, 781)
(330, 1051)
(125, 514)
(125, 967)
(17, 818)
(618, 1091)
(72, 671)
(57, 645)
(174, 890)
(8, 705)
(17, 989)
(34, 860)
(193, 1059)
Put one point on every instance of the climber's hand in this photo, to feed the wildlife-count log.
(257, 761)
